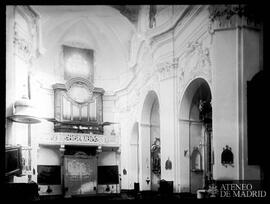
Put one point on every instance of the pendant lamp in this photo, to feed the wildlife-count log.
(24, 112)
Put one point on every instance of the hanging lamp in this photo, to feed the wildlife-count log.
(24, 112)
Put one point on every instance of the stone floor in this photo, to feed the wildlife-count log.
(142, 196)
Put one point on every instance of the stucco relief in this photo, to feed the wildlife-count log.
(78, 138)
(22, 43)
(135, 47)
(133, 100)
(195, 62)
(25, 33)
(23, 48)
(227, 16)
(167, 69)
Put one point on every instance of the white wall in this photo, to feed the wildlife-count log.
(225, 102)
(107, 158)
(167, 126)
(133, 170)
(48, 155)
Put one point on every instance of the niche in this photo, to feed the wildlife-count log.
(196, 160)
(168, 164)
(227, 156)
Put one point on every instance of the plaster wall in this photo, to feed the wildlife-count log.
(225, 102)
(167, 126)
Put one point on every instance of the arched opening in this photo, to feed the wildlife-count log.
(196, 135)
(150, 143)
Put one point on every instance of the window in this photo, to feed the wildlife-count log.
(78, 63)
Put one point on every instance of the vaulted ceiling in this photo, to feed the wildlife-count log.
(117, 19)
(105, 29)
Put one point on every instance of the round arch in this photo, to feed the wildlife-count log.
(195, 136)
(149, 143)
(187, 86)
(188, 94)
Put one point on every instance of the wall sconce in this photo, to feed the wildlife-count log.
(124, 171)
(185, 153)
(24, 112)
(147, 180)
(168, 164)
(99, 149)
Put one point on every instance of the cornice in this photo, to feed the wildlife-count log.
(166, 69)
(234, 16)
(178, 29)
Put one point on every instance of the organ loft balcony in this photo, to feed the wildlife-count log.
(78, 117)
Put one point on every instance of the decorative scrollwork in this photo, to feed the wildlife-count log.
(80, 90)
(195, 62)
(167, 69)
(79, 138)
(23, 48)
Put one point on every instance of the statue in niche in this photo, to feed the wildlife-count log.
(196, 160)
(205, 109)
(227, 156)
(155, 156)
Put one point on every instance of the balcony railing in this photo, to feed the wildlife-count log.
(64, 138)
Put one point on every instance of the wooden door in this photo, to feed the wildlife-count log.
(80, 175)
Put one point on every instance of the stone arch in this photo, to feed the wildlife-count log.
(194, 132)
(149, 143)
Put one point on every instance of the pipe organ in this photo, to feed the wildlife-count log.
(78, 107)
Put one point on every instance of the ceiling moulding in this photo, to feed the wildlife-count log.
(197, 32)
(171, 24)
(178, 26)
(129, 11)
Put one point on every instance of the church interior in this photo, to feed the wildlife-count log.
(134, 100)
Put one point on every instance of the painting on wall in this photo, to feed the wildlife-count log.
(108, 174)
(78, 63)
(49, 174)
